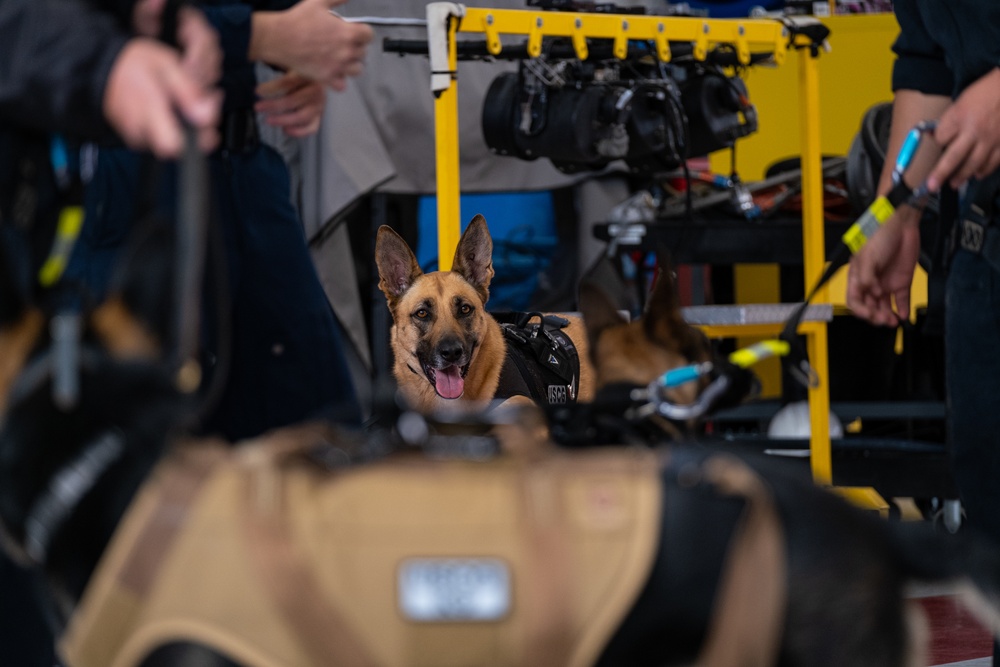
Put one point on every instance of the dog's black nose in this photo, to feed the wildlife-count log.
(450, 350)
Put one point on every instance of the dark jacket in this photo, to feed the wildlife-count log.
(55, 56)
(232, 20)
(944, 46)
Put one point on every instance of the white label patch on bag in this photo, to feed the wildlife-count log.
(454, 589)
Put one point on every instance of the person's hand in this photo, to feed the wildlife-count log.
(882, 270)
(196, 38)
(201, 55)
(970, 130)
(147, 87)
(310, 40)
(146, 17)
(293, 103)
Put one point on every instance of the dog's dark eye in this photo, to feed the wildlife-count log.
(421, 314)
(464, 309)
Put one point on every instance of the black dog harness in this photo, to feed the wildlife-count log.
(542, 362)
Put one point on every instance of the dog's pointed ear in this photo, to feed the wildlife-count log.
(664, 321)
(599, 310)
(662, 315)
(397, 265)
(474, 256)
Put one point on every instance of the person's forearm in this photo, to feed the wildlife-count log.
(265, 26)
(308, 39)
(909, 108)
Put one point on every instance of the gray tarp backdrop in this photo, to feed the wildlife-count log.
(379, 135)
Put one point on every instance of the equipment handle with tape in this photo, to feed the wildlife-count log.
(787, 345)
(192, 230)
(726, 378)
(743, 358)
(71, 173)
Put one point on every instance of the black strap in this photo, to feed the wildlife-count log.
(797, 360)
(512, 377)
(939, 259)
(67, 488)
(240, 134)
(975, 231)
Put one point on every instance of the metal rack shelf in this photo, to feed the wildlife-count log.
(446, 20)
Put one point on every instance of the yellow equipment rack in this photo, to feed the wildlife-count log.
(445, 20)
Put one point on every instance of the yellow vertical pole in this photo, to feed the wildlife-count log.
(447, 158)
(814, 257)
(819, 408)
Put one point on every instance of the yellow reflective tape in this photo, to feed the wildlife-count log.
(67, 231)
(869, 222)
(854, 238)
(882, 209)
(749, 356)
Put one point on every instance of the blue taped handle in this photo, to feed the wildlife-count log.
(678, 376)
(58, 154)
(909, 148)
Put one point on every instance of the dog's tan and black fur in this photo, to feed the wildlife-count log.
(446, 346)
(847, 570)
(639, 351)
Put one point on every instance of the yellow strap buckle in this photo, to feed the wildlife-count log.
(67, 232)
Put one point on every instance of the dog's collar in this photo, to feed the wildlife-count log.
(65, 491)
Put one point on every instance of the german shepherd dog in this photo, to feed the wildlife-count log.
(445, 345)
(742, 563)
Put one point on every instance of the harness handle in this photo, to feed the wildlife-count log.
(740, 360)
(192, 226)
(743, 358)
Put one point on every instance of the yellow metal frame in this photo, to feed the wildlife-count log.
(745, 35)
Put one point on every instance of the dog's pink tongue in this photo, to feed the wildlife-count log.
(449, 382)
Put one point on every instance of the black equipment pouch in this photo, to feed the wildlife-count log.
(542, 362)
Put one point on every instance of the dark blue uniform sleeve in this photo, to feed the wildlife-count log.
(232, 20)
(920, 64)
(233, 23)
(55, 57)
